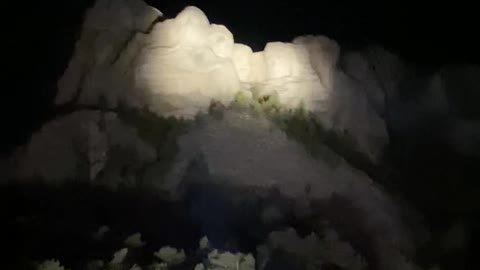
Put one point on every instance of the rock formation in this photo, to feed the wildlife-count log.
(175, 67)
(247, 153)
(81, 145)
(130, 58)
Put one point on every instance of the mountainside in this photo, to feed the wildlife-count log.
(300, 156)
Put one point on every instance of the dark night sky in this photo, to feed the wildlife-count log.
(44, 34)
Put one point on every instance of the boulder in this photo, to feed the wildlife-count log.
(242, 59)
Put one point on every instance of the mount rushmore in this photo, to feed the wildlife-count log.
(175, 105)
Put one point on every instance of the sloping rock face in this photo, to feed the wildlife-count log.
(244, 152)
(311, 249)
(100, 66)
(177, 67)
(80, 146)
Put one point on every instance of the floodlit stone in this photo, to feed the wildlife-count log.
(258, 72)
(185, 64)
(242, 58)
(177, 67)
(323, 53)
(230, 261)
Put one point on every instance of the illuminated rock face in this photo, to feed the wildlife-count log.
(102, 59)
(177, 67)
(185, 64)
(300, 73)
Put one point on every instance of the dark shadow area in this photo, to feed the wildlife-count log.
(60, 222)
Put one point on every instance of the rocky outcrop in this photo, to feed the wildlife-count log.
(177, 67)
(243, 152)
(85, 145)
(185, 64)
(104, 51)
